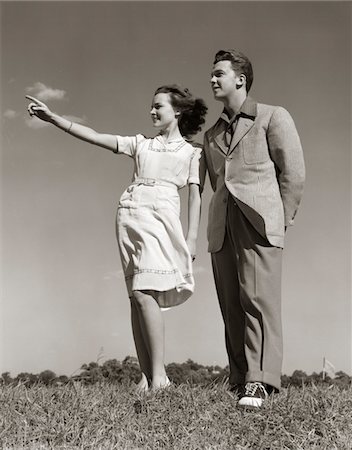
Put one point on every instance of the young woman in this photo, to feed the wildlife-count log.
(155, 255)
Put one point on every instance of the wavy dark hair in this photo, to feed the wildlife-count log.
(239, 62)
(192, 109)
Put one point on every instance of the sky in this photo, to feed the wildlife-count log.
(64, 302)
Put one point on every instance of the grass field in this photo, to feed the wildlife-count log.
(109, 416)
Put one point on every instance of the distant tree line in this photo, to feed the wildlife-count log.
(188, 372)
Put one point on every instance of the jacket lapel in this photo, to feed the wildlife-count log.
(220, 141)
(248, 113)
(244, 124)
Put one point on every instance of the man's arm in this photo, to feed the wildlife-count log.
(286, 152)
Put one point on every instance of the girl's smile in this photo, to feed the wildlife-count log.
(162, 112)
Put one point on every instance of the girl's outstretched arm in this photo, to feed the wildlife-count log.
(39, 109)
(194, 204)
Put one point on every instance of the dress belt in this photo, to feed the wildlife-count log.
(153, 182)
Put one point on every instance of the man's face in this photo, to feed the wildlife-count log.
(224, 80)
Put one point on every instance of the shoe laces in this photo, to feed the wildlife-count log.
(251, 389)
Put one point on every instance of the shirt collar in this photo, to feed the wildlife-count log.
(248, 109)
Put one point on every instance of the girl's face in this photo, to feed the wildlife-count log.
(162, 112)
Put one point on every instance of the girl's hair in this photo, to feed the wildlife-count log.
(192, 110)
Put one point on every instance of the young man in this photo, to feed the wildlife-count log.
(255, 163)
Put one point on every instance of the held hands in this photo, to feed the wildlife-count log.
(39, 109)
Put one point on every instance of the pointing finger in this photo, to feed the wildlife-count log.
(35, 100)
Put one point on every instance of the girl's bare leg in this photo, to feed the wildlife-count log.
(152, 327)
(141, 348)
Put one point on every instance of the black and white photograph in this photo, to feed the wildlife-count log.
(175, 225)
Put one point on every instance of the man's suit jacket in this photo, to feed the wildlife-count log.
(263, 170)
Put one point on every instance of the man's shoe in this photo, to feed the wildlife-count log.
(254, 395)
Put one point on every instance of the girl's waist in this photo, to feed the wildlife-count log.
(153, 182)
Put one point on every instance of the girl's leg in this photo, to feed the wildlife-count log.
(152, 327)
(141, 348)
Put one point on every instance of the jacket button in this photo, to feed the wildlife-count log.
(225, 200)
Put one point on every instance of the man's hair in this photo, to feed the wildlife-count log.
(239, 62)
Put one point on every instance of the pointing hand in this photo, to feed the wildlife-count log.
(39, 109)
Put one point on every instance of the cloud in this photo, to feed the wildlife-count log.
(10, 114)
(45, 93)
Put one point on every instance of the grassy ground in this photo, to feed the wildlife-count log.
(106, 416)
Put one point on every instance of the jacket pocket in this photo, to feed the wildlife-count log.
(255, 149)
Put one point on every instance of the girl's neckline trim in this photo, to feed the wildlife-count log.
(166, 147)
(159, 138)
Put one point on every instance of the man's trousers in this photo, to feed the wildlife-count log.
(247, 273)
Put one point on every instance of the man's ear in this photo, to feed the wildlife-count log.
(241, 81)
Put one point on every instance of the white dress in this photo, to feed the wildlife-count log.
(153, 250)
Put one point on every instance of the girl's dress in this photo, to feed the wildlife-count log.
(153, 250)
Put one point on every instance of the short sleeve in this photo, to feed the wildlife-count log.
(128, 144)
(194, 166)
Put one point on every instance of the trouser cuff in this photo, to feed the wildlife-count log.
(273, 380)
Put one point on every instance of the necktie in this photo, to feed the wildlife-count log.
(230, 130)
